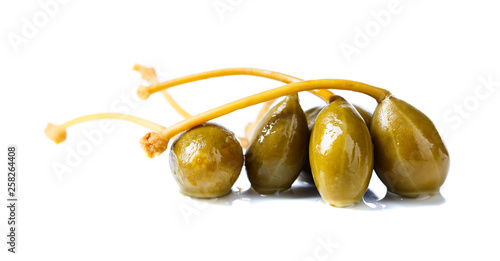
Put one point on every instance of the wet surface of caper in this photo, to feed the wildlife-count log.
(206, 161)
(311, 115)
(410, 157)
(277, 149)
(341, 154)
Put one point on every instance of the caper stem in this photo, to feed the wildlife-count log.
(57, 133)
(151, 139)
(144, 92)
(149, 74)
(116, 116)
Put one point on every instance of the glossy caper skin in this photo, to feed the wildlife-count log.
(206, 161)
(410, 156)
(311, 114)
(277, 149)
(341, 154)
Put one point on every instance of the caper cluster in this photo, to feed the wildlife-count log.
(336, 146)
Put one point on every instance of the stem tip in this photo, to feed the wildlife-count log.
(56, 133)
(143, 92)
(153, 144)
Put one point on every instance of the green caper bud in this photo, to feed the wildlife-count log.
(206, 161)
(311, 114)
(341, 154)
(277, 149)
(410, 157)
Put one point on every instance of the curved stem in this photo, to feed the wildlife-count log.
(149, 74)
(116, 116)
(57, 133)
(150, 141)
(144, 92)
(175, 105)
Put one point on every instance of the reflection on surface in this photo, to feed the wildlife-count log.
(375, 198)
(300, 191)
(372, 201)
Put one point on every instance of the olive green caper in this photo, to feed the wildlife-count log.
(206, 161)
(410, 157)
(311, 114)
(341, 154)
(277, 149)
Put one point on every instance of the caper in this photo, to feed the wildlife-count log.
(311, 115)
(410, 157)
(277, 149)
(206, 161)
(341, 154)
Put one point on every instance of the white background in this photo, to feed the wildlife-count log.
(117, 204)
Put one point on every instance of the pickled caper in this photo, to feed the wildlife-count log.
(410, 157)
(341, 154)
(206, 161)
(277, 149)
(311, 115)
